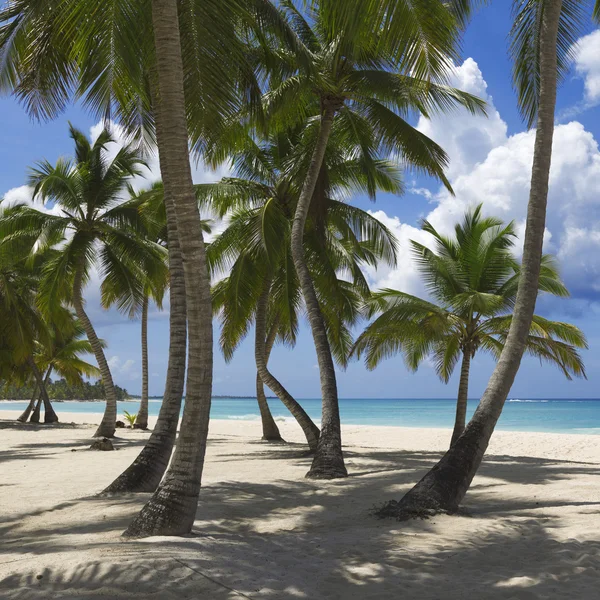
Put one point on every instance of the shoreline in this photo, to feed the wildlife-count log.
(94, 418)
(547, 441)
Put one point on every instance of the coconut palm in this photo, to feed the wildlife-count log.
(153, 284)
(254, 248)
(473, 278)
(128, 64)
(62, 354)
(95, 228)
(262, 285)
(369, 68)
(23, 324)
(542, 38)
(146, 471)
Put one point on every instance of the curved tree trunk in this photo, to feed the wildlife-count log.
(107, 425)
(172, 508)
(35, 415)
(270, 430)
(49, 414)
(328, 462)
(311, 431)
(463, 396)
(444, 487)
(146, 471)
(142, 417)
(34, 398)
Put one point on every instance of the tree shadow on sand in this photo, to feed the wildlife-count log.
(297, 538)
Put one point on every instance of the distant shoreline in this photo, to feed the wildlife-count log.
(131, 399)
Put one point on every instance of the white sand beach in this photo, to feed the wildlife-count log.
(531, 526)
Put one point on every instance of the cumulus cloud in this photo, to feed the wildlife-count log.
(405, 276)
(126, 368)
(587, 66)
(492, 168)
(466, 138)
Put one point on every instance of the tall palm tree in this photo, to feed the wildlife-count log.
(140, 66)
(254, 248)
(474, 278)
(542, 38)
(95, 228)
(148, 468)
(369, 68)
(153, 284)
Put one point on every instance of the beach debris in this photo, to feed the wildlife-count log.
(119, 425)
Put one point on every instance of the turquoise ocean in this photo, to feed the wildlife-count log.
(520, 414)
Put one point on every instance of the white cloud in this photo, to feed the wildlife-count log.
(126, 368)
(466, 138)
(405, 276)
(24, 195)
(490, 168)
(587, 66)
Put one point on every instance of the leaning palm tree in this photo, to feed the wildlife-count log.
(95, 228)
(146, 471)
(262, 286)
(254, 249)
(368, 69)
(473, 277)
(542, 38)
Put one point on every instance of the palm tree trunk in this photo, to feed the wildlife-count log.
(328, 462)
(35, 415)
(444, 487)
(270, 430)
(146, 471)
(172, 508)
(463, 395)
(142, 417)
(49, 414)
(311, 431)
(107, 425)
(25, 414)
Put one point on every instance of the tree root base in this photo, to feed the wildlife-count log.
(404, 511)
(327, 474)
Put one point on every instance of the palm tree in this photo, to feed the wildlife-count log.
(474, 278)
(146, 471)
(23, 324)
(543, 35)
(95, 228)
(254, 248)
(62, 354)
(130, 64)
(153, 284)
(368, 69)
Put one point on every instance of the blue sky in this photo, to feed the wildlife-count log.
(490, 162)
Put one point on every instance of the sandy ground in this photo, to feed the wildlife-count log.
(531, 527)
